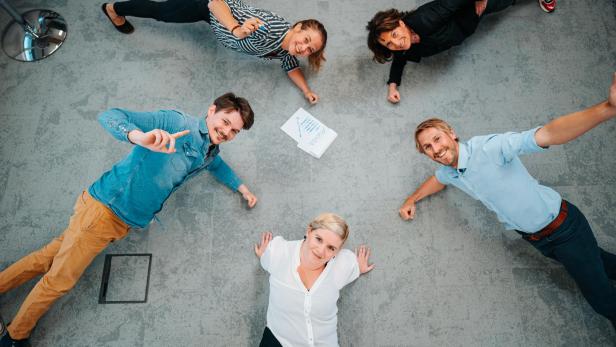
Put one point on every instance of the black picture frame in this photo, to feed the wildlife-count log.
(102, 297)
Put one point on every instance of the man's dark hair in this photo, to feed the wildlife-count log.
(229, 101)
(382, 22)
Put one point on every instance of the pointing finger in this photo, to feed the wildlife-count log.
(180, 134)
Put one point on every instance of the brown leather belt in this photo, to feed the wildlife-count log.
(550, 228)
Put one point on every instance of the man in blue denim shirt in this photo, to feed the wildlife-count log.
(488, 169)
(171, 147)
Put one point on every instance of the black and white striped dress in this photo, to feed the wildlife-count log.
(264, 43)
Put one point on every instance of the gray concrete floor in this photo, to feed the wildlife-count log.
(452, 277)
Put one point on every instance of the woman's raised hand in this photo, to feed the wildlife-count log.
(363, 253)
(260, 247)
(248, 27)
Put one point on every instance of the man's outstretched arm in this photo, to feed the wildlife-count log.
(571, 126)
(429, 187)
(156, 131)
(224, 174)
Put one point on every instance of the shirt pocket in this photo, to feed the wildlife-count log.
(88, 214)
(184, 159)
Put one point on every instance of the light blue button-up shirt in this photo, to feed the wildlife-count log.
(136, 187)
(490, 170)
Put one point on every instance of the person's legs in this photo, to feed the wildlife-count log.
(90, 230)
(268, 339)
(576, 248)
(170, 11)
(30, 266)
(609, 262)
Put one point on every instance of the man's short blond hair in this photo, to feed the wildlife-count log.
(331, 222)
(431, 123)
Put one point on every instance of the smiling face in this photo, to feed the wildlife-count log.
(440, 146)
(399, 39)
(223, 125)
(320, 246)
(303, 42)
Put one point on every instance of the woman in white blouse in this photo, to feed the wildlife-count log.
(305, 279)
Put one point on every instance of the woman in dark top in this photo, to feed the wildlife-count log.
(240, 27)
(432, 28)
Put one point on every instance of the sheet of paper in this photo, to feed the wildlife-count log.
(301, 126)
(311, 135)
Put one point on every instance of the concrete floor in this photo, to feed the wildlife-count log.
(452, 277)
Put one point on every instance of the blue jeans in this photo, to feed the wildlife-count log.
(574, 245)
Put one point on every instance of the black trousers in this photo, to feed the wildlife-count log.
(592, 268)
(170, 11)
(498, 5)
(268, 339)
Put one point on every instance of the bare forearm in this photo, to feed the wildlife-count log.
(222, 12)
(429, 187)
(135, 136)
(243, 189)
(571, 126)
(297, 77)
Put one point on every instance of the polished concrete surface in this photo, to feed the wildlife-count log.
(452, 277)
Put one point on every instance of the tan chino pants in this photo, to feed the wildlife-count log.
(61, 262)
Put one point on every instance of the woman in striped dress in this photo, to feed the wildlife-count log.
(240, 27)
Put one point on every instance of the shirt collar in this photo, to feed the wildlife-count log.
(208, 146)
(203, 126)
(463, 157)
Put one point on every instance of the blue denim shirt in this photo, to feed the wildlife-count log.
(136, 187)
(490, 170)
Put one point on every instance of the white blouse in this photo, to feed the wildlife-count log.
(297, 316)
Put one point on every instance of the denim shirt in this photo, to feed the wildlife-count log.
(136, 187)
(489, 169)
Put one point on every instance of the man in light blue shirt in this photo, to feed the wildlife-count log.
(171, 148)
(488, 168)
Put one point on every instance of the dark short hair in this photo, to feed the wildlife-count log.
(317, 58)
(229, 101)
(382, 22)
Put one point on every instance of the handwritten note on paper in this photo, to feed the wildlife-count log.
(311, 135)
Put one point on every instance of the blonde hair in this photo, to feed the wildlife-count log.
(431, 123)
(331, 222)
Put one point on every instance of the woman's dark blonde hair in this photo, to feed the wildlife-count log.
(331, 222)
(317, 58)
(382, 22)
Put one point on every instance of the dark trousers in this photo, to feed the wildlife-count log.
(268, 339)
(574, 245)
(497, 5)
(171, 11)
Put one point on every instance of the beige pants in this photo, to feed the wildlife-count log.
(91, 228)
